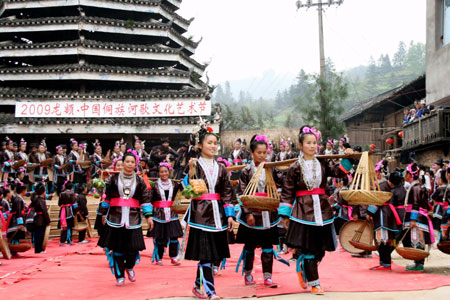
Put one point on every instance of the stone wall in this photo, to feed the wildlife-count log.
(428, 156)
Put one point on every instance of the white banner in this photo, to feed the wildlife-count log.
(104, 109)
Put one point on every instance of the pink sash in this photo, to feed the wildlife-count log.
(349, 211)
(124, 202)
(424, 213)
(62, 217)
(208, 197)
(316, 191)
(394, 211)
(162, 204)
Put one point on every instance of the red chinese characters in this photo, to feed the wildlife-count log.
(68, 109)
(107, 109)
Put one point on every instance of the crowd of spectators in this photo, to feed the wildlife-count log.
(419, 110)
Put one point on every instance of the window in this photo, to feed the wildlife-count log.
(445, 23)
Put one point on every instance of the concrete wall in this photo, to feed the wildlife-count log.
(438, 58)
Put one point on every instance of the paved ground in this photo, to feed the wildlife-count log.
(437, 264)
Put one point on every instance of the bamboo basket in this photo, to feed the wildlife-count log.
(254, 202)
(411, 253)
(18, 164)
(364, 244)
(4, 246)
(79, 225)
(46, 235)
(23, 246)
(178, 206)
(444, 246)
(365, 189)
(46, 162)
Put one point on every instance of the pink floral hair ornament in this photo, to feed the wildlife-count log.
(167, 165)
(283, 144)
(331, 142)
(115, 160)
(82, 146)
(225, 161)
(136, 155)
(410, 170)
(58, 147)
(265, 140)
(311, 130)
(23, 142)
(379, 166)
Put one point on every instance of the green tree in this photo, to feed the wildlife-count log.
(399, 56)
(246, 118)
(325, 100)
(415, 58)
(229, 119)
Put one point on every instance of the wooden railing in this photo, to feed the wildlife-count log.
(427, 130)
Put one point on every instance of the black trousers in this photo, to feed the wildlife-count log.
(59, 183)
(385, 251)
(173, 247)
(38, 238)
(64, 236)
(122, 262)
(79, 178)
(81, 235)
(311, 265)
(266, 258)
(208, 276)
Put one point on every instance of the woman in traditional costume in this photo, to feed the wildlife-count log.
(445, 217)
(210, 215)
(439, 199)
(60, 171)
(167, 228)
(417, 225)
(67, 204)
(41, 218)
(388, 219)
(257, 228)
(304, 203)
(126, 193)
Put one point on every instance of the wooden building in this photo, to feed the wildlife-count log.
(126, 64)
(374, 120)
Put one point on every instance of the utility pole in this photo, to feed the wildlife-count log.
(324, 123)
(320, 4)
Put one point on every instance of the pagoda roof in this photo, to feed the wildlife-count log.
(8, 95)
(146, 52)
(151, 28)
(96, 72)
(144, 6)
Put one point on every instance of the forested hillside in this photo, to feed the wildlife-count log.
(290, 106)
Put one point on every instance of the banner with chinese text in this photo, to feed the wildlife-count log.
(104, 109)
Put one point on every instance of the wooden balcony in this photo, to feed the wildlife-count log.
(428, 130)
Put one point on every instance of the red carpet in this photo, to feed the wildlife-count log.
(81, 272)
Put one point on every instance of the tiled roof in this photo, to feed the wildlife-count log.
(102, 45)
(97, 21)
(366, 104)
(137, 2)
(71, 68)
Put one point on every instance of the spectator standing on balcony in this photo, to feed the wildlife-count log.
(420, 109)
(412, 115)
(406, 116)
